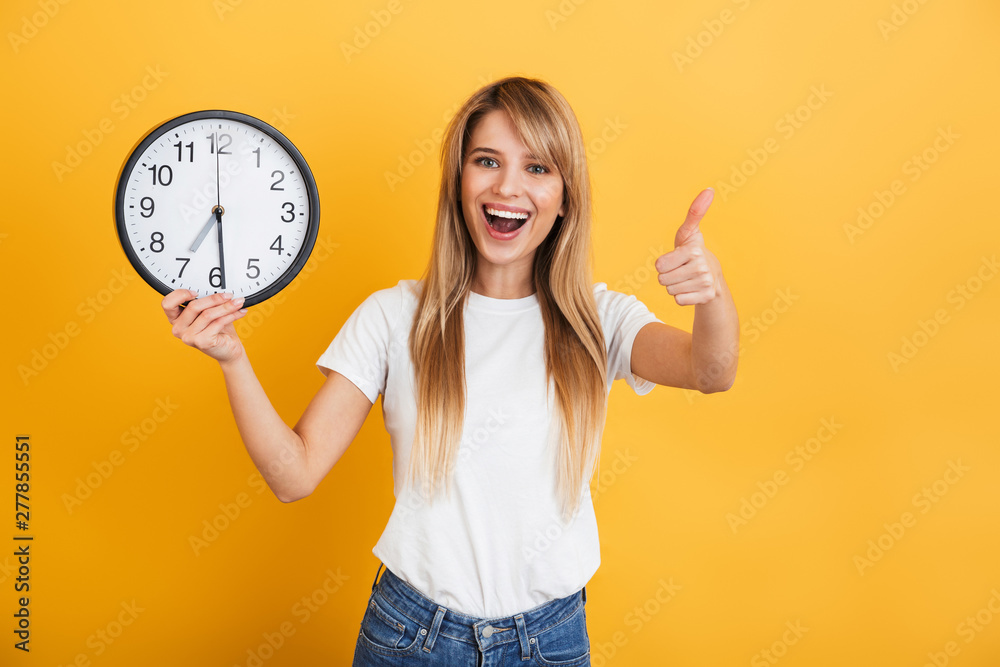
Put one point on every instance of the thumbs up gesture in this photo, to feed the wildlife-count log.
(690, 272)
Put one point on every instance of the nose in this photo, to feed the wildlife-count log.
(507, 183)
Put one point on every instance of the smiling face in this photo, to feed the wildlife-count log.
(510, 199)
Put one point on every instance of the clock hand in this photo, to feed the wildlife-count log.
(203, 233)
(222, 257)
(218, 213)
(218, 192)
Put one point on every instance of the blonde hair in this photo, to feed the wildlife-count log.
(575, 352)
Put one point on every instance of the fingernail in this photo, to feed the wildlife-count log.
(239, 301)
(227, 295)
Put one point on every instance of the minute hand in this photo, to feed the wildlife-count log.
(222, 256)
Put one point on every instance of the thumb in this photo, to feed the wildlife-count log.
(697, 211)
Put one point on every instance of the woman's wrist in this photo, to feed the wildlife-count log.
(234, 365)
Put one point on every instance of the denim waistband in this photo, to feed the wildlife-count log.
(481, 632)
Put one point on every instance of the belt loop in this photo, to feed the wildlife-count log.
(380, 564)
(522, 634)
(433, 632)
(584, 595)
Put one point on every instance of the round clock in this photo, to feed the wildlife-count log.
(217, 201)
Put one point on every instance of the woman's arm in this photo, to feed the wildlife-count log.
(706, 358)
(292, 461)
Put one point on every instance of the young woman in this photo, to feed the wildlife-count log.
(494, 371)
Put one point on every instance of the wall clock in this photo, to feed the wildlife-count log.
(217, 201)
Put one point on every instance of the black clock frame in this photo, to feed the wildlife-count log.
(312, 228)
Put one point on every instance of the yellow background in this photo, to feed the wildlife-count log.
(830, 308)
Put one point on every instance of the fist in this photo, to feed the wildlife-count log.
(206, 323)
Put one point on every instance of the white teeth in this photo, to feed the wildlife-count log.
(506, 214)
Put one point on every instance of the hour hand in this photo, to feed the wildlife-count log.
(204, 231)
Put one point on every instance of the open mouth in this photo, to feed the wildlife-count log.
(504, 221)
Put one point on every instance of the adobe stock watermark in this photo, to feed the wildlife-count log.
(637, 279)
(121, 107)
(364, 34)
(257, 315)
(303, 610)
(601, 652)
(105, 637)
(231, 510)
(751, 331)
(562, 12)
(32, 23)
(787, 126)
(425, 147)
(544, 538)
(57, 341)
(796, 458)
(967, 629)
(473, 440)
(713, 29)
(779, 648)
(898, 17)
(924, 500)
(914, 167)
(958, 296)
(131, 439)
(223, 7)
(609, 134)
(204, 196)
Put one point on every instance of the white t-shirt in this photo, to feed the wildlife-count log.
(498, 546)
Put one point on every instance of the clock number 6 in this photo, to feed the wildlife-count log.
(215, 277)
(289, 209)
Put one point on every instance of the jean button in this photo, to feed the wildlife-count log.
(488, 631)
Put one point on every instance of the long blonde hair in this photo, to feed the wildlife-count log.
(575, 352)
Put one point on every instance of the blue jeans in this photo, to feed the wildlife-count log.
(401, 628)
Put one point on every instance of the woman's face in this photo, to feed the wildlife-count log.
(510, 198)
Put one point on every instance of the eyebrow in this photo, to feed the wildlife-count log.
(493, 151)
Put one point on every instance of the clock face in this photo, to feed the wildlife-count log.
(217, 201)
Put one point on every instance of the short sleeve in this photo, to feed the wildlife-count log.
(622, 315)
(360, 350)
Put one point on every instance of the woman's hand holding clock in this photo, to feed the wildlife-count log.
(206, 323)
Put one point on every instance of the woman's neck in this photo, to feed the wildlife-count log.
(501, 282)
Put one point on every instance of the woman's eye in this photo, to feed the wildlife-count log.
(487, 162)
(537, 169)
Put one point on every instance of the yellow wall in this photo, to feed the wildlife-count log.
(671, 98)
